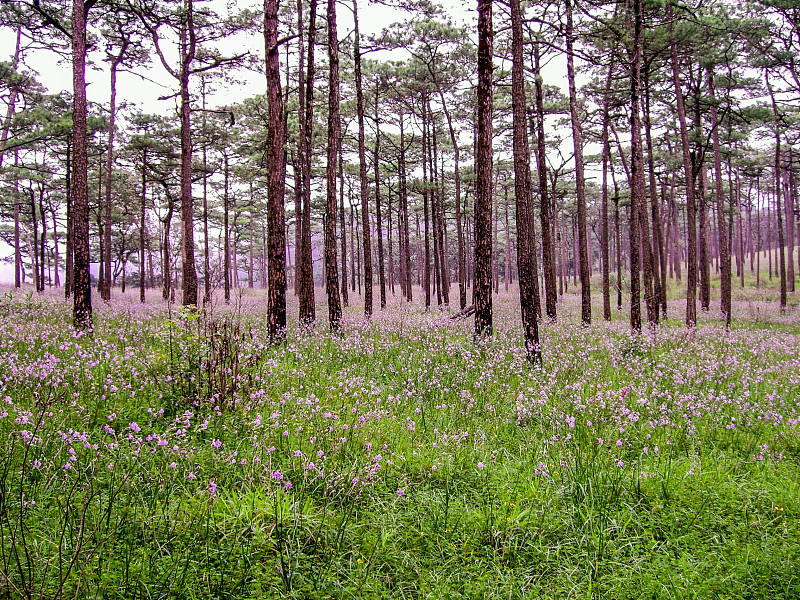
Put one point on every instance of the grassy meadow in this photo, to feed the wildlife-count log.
(172, 454)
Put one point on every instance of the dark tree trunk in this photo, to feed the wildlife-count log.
(691, 235)
(379, 223)
(82, 307)
(307, 304)
(276, 179)
(187, 49)
(724, 249)
(580, 186)
(362, 171)
(226, 260)
(604, 250)
(106, 288)
(482, 291)
(426, 277)
(142, 228)
(526, 255)
(17, 251)
(334, 143)
(405, 241)
(637, 166)
(658, 258)
(343, 233)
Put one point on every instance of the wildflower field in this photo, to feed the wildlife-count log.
(177, 455)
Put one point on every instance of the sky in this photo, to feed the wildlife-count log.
(55, 73)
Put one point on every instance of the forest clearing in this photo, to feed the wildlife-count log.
(399, 299)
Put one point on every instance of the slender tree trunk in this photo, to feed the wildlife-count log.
(276, 179)
(389, 241)
(187, 50)
(226, 263)
(142, 216)
(404, 226)
(343, 233)
(604, 250)
(82, 307)
(526, 255)
(307, 304)
(580, 186)
(638, 197)
(378, 224)
(724, 249)
(482, 291)
(362, 170)
(691, 235)
(334, 144)
(18, 267)
(658, 257)
(106, 287)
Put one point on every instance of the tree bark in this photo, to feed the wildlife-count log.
(580, 186)
(334, 144)
(379, 223)
(522, 191)
(187, 49)
(362, 171)
(82, 307)
(637, 166)
(724, 249)
(691, 233)
(276, 179)
(482, 291)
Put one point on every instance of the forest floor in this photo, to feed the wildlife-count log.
(177, 455)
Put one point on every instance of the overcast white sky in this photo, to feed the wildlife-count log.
(56, 75)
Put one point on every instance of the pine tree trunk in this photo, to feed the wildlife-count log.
(334, 144)
(604, 249)
(580, 186)
(82, 307)
(307, 304)
(658, 258)
(142, 236)
(379, 223)
(724, 249)
(106, 288)
(638, 198)
(691, 235)
(405, 234)
(362, 171)
(526, 255)
(187, 49)
(276, 179)
(482, 291)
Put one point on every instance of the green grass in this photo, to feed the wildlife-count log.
(664, 465)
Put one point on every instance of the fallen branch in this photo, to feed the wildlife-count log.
(469, 310)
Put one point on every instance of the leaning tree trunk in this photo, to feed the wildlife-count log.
(482, 290)
(334, 143)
